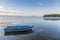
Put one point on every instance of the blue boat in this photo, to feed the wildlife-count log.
(18, 28)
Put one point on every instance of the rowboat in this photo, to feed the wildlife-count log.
(20, 28)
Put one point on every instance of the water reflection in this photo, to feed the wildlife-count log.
(52, 18)
(42, 30)
(18, 33)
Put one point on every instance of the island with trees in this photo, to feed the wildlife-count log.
(51, 17)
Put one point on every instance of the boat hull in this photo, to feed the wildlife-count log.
(17, 30)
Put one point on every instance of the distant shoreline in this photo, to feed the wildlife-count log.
(51, 15)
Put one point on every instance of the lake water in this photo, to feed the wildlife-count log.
(42, 30)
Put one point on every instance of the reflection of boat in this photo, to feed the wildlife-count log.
(19, 32)
(22, 28)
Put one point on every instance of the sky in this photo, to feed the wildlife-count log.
(29, 7)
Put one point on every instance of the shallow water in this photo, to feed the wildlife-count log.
(42, 30)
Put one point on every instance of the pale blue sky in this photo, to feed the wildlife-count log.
(32, 6)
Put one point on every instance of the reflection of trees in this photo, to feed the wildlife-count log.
(52, 15)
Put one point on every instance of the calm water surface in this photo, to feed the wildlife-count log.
(42, 30)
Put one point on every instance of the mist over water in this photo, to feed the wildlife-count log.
(42, 30)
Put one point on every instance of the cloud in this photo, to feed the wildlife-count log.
(40, 3)
(1, 6)
(5, 11)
